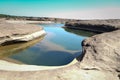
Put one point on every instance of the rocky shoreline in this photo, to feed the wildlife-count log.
(100, 52)
(100, 59)
(18, 32)
(98, 26)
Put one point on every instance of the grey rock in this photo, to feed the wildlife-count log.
(14, 32)
(100, 59)
(101, 52)
(95, 25)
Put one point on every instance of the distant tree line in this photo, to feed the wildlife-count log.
(8, 17)
(11, 17)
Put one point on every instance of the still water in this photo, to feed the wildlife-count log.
(58, 47)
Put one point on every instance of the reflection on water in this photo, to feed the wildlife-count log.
(80, 32)
(59, 47)
(6, 51)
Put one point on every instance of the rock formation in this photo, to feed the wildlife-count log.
(95, 25)
(101, 52)
(100, 59)
(14, 32)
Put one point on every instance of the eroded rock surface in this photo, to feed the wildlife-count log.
(95, 25)
(100, 60)
(101, 52)
(14, 31)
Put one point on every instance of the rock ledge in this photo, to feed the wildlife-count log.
(16, 32)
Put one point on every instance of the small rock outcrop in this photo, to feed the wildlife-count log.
(94, 25)
(14, 32)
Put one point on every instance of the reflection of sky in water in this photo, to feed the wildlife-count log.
(59, 47)
(63, 38)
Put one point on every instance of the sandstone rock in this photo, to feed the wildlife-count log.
(101, 52)
(19, 32)
(100, 60)
(95, 25)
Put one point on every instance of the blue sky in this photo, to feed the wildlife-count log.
(77, 9)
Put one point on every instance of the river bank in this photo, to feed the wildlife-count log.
(100, 52)
(18, 32)
(98, 26)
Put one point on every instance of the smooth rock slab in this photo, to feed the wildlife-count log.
(18, 32)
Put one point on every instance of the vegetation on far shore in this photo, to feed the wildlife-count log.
(8, 17)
